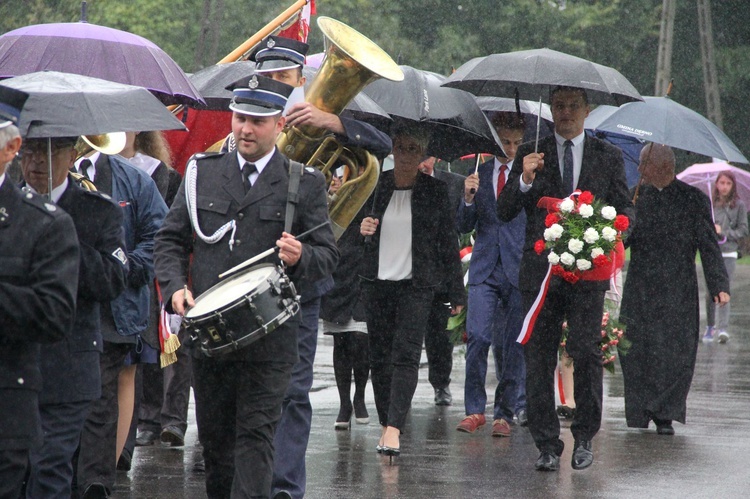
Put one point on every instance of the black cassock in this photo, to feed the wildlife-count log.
(660, 300)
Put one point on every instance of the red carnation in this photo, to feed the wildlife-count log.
(621, 223)
(570, 277)
(539, 246)
(586, 197)
(601, 261)
(551, 219)
(464, 337)
(557, 270)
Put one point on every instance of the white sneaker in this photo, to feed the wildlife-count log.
(723, 336)
(709, 336)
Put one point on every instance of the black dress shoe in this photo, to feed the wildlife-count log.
(523, 418)
(443, 396)
(548, 461)
(146, 437)
(95, 491)
(199, 466)
(583, 456)
(173, 436)
(664, 427)
(282, 494)
(125, 461)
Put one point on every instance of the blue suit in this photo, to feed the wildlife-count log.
(495, 312)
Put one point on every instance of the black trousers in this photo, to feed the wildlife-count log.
(438, 345)
(237, 406)
(397, 314)
(583, 312)
(13, 465)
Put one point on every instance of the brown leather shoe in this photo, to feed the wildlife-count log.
(471, 422)
(500, 428)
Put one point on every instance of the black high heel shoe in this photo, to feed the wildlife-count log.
(391, 452)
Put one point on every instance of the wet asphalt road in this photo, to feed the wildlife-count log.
(707, 458)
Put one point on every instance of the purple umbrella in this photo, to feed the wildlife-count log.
(96, 51)
(703, 176)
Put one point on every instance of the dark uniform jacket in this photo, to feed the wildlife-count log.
(602, 173)
(435, 258)
(70, 368)
(38, 283)
(259, 215)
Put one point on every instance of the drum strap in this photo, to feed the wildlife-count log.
(292, 198)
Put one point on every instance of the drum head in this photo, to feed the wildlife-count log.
(230, 290)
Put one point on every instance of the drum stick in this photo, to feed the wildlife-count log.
(269, 252)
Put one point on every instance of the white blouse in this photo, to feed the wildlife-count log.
(394, 263)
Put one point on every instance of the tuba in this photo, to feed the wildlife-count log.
(350, 63)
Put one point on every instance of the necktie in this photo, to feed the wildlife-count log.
(568, 167)
(83, 168)
(501, 180)
(247, 170)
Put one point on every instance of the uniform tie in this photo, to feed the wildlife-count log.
(568, 167)
(501, 180)
(83, 168)
(247, 170)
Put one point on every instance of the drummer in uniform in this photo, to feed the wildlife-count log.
(38, 282)
(240, 200)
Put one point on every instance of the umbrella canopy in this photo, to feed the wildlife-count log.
(631, 152)
(534, 72)
(664, 121)
(64, 105)
(456, 124)
(703, 176)
(97, 51)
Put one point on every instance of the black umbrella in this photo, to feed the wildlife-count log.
(534, 72)
(64, 105)
(664, 121)
(456, 124)
(530, 110)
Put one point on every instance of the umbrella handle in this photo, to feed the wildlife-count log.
(476, 170)
(538, 124)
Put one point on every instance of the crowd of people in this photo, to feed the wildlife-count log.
(84, 317)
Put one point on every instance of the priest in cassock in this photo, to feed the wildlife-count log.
(660, 300)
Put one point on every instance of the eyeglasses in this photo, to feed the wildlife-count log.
(31, 150)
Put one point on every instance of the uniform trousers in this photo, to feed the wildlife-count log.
(494, 319)
(583, 311)
(397, 314)
(237, 407)
(13, 464)
(438, 345)
(293, 430)
(51, 470)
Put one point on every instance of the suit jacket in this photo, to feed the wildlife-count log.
(602, 173)
(435, 258)
(259, 216)
(70, 368)
(455, 183)
(38, 283)
(496, 240)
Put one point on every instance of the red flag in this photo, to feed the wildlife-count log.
(300, 29)
(205, 128)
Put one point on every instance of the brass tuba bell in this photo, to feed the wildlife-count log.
(351, 62)
(106, 143)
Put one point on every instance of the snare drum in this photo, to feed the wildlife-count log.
(241, 309)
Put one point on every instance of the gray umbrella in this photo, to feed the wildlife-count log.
(65, 105)
(663, 121)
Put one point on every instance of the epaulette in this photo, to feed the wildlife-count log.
(100, 196)
(41, 203)
(205, 155)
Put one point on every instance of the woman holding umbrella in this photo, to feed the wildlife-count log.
(730, 221)
(412, 250)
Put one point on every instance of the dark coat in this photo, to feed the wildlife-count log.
(660, 299)
(168, 181)
(434, 242)
(602, 173)
(259, 215)
(455, 183)
(39, 261)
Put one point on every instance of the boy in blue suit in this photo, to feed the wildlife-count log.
(495, 312)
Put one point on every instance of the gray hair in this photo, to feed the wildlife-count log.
(420, 134)
(7, 134)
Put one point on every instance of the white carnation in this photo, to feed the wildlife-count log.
(583, 264)
(609, 213)
(585, 210)
(575, 246)
(567, 259)
(567, 205)
(609, 234)
(591, 235)
(596, 252)
(548, 235)
(553, 258)
(553, 233)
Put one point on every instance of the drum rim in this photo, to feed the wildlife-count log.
(261, 288)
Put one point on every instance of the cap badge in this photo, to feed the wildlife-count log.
(253, 83)
(271, 43)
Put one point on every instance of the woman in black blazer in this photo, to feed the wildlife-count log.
(411, 250)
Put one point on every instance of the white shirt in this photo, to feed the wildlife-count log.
(57, 192)
(394, 259)
(2, 179)
(259, 165)
(576, 148)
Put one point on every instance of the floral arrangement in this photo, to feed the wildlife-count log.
(581, 235)
(613, 341)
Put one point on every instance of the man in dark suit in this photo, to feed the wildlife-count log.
(495, 312)
(70, 368)
(39, 259)
(437, 341)
(239, 396)
(566, 161)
